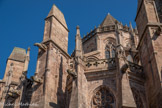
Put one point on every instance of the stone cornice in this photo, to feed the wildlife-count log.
(148, 25)
(91, 53)
(101, 74)
(1, 81)
(104, 30)
(16, 60)
(63, 52)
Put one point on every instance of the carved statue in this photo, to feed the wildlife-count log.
(73, 74)
(41, 46)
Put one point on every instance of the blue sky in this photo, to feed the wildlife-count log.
(22, 22)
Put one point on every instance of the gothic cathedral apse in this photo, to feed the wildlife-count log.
(113, 66)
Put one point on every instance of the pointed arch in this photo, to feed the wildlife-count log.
(103, 98)
(110, 50)
(92, 58)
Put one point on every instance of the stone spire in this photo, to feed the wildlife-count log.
(108, 21)
(27, 59)
(131, 28)
(78, 43)
(18, 54)
(136, 31)
(78, 31)
(57, 14)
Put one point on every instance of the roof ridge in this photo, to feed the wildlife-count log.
(109, 20)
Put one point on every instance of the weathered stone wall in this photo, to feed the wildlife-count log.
(55, 82)
(150, 67)
(140, 88)
(90, 45)
(141, 20)
(109, 82)
(56, 28)
(148, 50)
(159, 9)
(52, 63)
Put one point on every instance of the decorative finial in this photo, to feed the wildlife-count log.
(77, 27)
(108, 13)
(95, 26)
(130, 25)
(77, 31)
(131, 28)
(136, 31)
(28, 48)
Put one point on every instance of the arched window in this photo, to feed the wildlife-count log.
(110, 51)
(107, 52)
(113, 53)
(103, 98)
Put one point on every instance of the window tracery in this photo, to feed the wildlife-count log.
(110, 50)
(103, 98)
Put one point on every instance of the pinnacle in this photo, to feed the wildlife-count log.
(28, 48)
(77, 27)
(18, 54)
(77, 31)
(56, 12)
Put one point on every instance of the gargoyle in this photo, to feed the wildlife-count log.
(14, 92)
(36, 79)
(73, 74)
(41, 46)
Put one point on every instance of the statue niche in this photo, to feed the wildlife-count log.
(103, 98)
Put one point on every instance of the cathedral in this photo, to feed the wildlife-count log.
(113, 66)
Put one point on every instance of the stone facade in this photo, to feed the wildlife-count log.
(113, 66)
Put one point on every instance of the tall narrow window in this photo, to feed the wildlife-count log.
(113, 53)
(110, 51)
(107, 52)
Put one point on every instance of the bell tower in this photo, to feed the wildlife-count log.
(150, 36)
